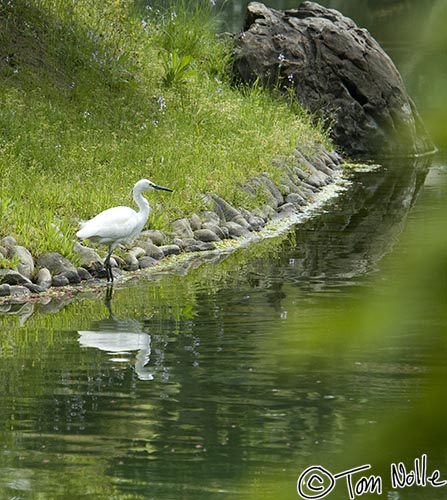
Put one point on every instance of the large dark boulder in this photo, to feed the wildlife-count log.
(338, 71)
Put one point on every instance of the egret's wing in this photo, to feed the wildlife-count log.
(109, 226)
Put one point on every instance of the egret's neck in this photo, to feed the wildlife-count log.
(142, 203)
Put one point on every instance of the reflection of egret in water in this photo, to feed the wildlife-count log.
(120, 337)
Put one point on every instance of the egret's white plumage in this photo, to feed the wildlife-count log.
(119, 224)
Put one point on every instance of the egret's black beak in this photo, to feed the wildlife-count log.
(161, 188)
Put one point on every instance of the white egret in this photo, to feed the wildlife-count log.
(119, 224)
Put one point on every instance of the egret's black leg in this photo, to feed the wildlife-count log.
(109, 274)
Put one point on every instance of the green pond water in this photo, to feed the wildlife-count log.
(230, 376)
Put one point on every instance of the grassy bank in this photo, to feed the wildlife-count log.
(96, 95)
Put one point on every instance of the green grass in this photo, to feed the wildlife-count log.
(96, 95)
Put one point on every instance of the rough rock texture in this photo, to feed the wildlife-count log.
(182, 228)
(26, 262)
(170, 250)
(338, 71)
(156, 236)
(146, 262)
(44, 278)
(34, 288)
(60, 267)
(55, 263)
(12, 277)
(60, 280)
(150, 249)
(131, 262)
(83, 274)
(19, 291)
(8, 242)
(206, 235)
(90, 260)
(195, 222)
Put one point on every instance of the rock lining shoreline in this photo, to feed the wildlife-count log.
(303, 178)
